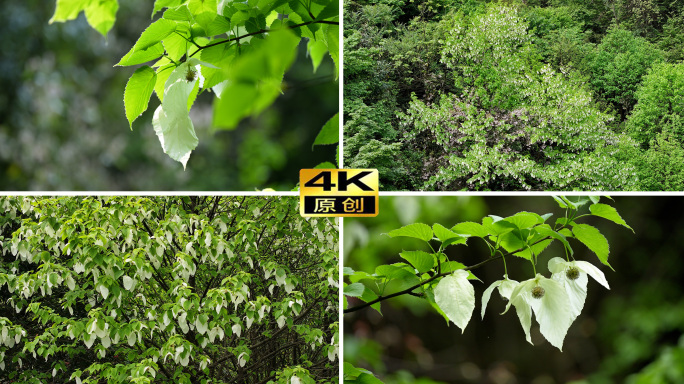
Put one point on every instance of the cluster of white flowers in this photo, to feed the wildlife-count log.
(556, 302)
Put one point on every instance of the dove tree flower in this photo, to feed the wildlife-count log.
(506, 287)
(550, 303)
(573, 276)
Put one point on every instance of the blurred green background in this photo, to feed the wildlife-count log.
(632, 333)
(63, 127)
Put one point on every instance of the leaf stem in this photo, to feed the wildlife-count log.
(431, 279)
(259, 32)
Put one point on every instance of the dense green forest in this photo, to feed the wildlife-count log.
(510, 95)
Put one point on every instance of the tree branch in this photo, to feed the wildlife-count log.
(259, 32)
(433, 278)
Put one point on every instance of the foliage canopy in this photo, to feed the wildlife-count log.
(480, 95)
(239, 51)
(166, 289)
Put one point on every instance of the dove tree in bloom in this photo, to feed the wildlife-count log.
(166, 290)
(554, 301)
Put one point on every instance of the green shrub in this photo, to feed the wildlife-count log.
(617, 66)
(661, 105)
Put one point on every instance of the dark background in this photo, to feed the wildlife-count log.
(63, 126)
(631, 333)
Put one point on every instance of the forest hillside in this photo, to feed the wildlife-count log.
(535, 95)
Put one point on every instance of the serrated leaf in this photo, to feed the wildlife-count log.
(535, 249)
(524, 220)
(218, 26)
(594, 240)
(177, 44)
(138, 92)
(331, 10)
(330, 133)
(443, 234)
(161, 4)
(204, 11)
(354, 290)
(154, 33)
(101, 15)
(470, 229)
(421, 261)
(609, 213)
(417, 230)
(68, 10)
(545, 230)
(456, 297)
(141, 56)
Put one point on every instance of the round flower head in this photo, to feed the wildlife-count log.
(538, 292)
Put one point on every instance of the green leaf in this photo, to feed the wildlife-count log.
(331, 10)
(545, 230)
(594, 240)
(160, 4)
(561, 202)
(255, 79)
(138, 91)
(218, 26)
(142, 56)
(101, 15)
(417, 230)
(456, 297)
(511, 241)
(330, 133)
(332, 35)
(68, 9)
(535, 249)
(204, 12)
(451, 266)
(317, 50)
(443, 234)
(179, 14)
(325, 165)
(365, 378)
(420, 260)
(221, 56)
(177, 43)
(163, 74)
(239, 17)
(524, 220)
(608, 212)
(470, 229)
(354, 290)
(154, 34)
